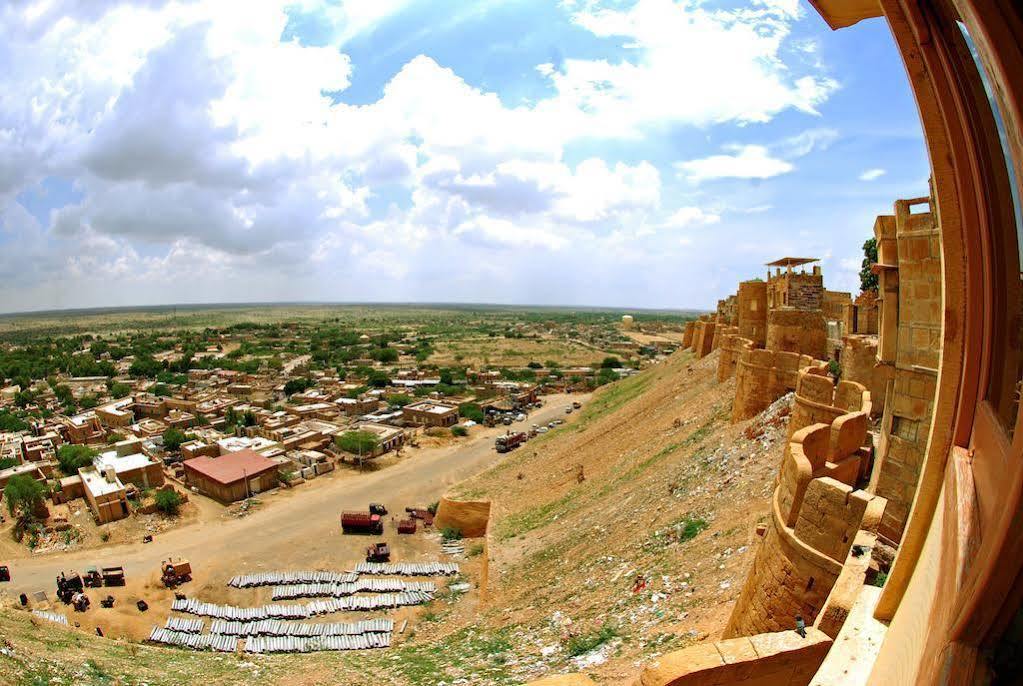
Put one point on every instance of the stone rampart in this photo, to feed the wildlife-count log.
(751, 311)
(703, 338)
(732, 347)
(819, 400)
(763, 376)
(687, 334)
(817, 514)
(859, 364)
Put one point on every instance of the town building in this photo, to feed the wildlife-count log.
(231, 477)
(431, 414)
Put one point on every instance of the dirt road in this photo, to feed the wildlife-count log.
(294, 529)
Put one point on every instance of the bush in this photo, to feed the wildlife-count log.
(459, 431)
(450, 533)
(24, 494)
(432, 508)
(611, 363)
(73, 457)
(114, 437)
(119, 390)
(398, 399)
(168, 501)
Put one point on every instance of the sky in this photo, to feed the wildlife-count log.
(629, 153)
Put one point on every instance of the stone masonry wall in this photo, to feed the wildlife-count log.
(905, 425)
(752, 312)
(703, 339)
(687, 335)
(763, 376)
(798, 331)
(732, 347)
(859, 364)
(819, 401)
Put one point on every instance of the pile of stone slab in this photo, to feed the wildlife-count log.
(317, 607)
(347, 589)
(407, 568)
(275, 627)
(51, 617)
(290, 578)
(300, 644)
(189, 626)
(218, 642)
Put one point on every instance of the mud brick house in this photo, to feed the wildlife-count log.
(429, 413)
(231, 477)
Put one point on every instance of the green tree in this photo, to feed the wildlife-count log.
(399, 399)
(73, 457)
(611, 363)
(378, 379)
(119, 390)
(12, 422)
(173, 437)
(868, 279)
(471, 411)
(145, 366)
(459, 430)
(296, 385)
(168, 501)
(24, 494)
(359, 442)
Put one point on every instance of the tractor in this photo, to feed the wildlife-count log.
(173, 574)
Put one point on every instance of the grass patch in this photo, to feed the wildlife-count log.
(612, 397)
(522, 522)
(584, 643)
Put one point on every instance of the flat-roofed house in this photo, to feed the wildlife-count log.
(84, 428)
(429, 413)
(131, 465)
(231, 477)
(105, 494)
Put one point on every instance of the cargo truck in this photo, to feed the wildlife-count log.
(361, 523)
(509, 441)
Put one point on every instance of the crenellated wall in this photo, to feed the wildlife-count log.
(818, 400)
(817, 514)
(798, 331)
(763, 376)
(732, 347)
(859, 364)
(720, 332)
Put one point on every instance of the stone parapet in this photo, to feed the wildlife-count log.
(818, 400)
(763, 376)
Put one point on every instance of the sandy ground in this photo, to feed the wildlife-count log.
(292, 529)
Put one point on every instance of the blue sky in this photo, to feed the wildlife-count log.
(636, 153)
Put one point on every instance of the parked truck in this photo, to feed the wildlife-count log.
(509, 441)
(361, 523)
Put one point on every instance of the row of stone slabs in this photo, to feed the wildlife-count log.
(264, 630)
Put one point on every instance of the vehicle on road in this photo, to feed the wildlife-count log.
(173, 574)
(509, 441)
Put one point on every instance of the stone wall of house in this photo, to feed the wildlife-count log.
(834, 303)
(763, 376)
(798, 290)
(910, 347)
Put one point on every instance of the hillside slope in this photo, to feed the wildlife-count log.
(670, 496)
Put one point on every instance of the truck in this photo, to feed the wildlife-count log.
(509, 441)
(361, 523)
(175, 573)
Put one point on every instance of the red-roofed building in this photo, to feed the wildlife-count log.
(231, 477)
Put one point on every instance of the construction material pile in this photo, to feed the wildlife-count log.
(51, 617)
(319, 607)
(298, 644)
(188, 626)
(347, 589)
(218, 642)
(274, 627)
(407, 568)
(291, 578)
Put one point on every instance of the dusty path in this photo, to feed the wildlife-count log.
(294, 529)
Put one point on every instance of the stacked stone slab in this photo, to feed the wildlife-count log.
(909, 346)
(817, 515)
(763, 376)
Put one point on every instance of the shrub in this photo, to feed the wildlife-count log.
(73, 457)
(168, 501)
(432, 509)
(173, 438)
(450, 533)
(471, 411)
(114, 437)
(611, 363)
(459, 431)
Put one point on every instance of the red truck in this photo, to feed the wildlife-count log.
(509, 441)
(361, 523)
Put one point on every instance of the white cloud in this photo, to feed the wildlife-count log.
(748, 162)
(872, 174)
(808, 141)
(690, 216)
